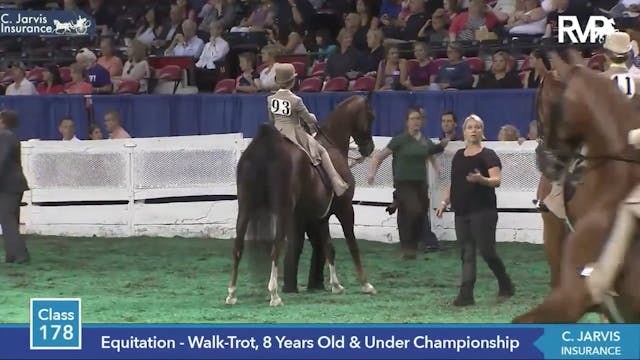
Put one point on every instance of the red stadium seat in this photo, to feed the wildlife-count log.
(339, 83)
(312, 84)
(301, 69)
(412, 64)
(129, 86)
(440, 62)
(65, 74)
(170, 73)
(7, 78)
(291, 59)
(365, 83)
(476, 64)
(226, 86)
(318, 69)
(261, 67)
(35, 74)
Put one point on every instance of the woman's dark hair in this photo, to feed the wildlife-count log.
(9, 118)
(542, 55)
(325, 34)
(156, 17)
(55, 74)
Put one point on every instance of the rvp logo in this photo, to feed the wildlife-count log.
(597, 29)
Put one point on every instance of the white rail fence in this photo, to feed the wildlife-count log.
(111, 188)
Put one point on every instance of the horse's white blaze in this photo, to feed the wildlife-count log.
(336, 288)
(231, 299)
(273, 286)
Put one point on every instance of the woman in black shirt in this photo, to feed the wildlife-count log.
(475, 173)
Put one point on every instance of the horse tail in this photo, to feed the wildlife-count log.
(261, 185)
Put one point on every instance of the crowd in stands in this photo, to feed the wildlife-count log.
(335, 45)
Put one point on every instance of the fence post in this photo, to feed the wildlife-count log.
(131, 147)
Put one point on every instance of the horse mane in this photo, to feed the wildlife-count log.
(339, 111)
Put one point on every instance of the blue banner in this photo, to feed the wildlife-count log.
(46, 23)
(334, 341)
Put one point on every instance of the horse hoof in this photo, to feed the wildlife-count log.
(369, 289)
(338, 289)
(276, 302)
(231, 300)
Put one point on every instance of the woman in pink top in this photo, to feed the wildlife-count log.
(78, 85)
(108, 60)
(52, 83)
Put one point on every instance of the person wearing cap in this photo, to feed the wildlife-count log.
(287, 111)
(13, 184)
(97, 75)
(617, 48)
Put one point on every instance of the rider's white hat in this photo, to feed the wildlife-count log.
(618, 43)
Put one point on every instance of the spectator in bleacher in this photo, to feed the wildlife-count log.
(435, 30)
(367, 23)
(51, 81)
(504, 9)
(267, 80)
(151, 28)
(389, 11)
(136, 67)
(70, 5)
(475, 173)
(215, 50)
(324, 44)
(220, 11)
(13, 184)
(258, 17)
(171, 28)
(345, 59)
(421, 76)
(500, 76)
(294, 44)
(522, 24)
(113, 124)
(186, 43)
(465, 25)
(456, 73)
(20, 84)
(67, 129)
(95, 133)
(449, 126)
(103, 18)
(408, 30)
(533, 130)
(508, 133)
(561, 8)
(188, 9)
(370, 61)
(392, 71)
(78, 84)
(98, 76)
(452, 9)
(296, 14)
(109, 60)
(541, 66)
(246, 82)
(352, 26)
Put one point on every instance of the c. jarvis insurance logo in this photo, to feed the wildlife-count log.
(45, 23)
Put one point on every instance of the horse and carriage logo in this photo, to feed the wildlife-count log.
(79, 27)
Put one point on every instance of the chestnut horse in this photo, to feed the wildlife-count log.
(586, 109)
(281, 194)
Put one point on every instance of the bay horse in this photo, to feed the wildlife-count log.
(581, 110)
(281, 195)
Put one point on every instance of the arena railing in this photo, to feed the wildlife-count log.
(186, 186)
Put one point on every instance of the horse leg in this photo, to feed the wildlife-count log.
(330, 254)
(346, 217)
(553, 232)
(238, 247)
(295, 244)
(571, 300)
(318, 260)
(282, 223)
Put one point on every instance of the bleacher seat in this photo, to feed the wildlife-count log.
(476, 64)
(311, 84)
(35, 74)
(440, 62)
(365, 83)
(301, 69)
(225, 86)
(170, 73)
(7, 78)
(129, 86)
(261, 67)
(339, 83)
(290, 59)
(526, 65)
(318, 69)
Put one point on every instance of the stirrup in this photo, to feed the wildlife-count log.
(539, 204)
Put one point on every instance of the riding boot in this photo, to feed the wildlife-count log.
(338, 184)
(465, 295)
(506, 289)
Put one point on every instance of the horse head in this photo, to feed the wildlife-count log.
(352, 118)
